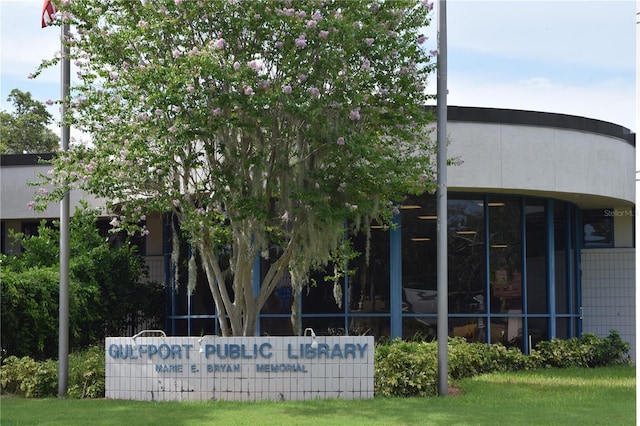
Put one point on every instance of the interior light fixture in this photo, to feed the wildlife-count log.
(409, 206)
(467, 232)
(420, 239)
(499, 245)
(310, 332)
(428, 217)
(492, 204)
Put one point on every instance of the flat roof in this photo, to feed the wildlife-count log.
(7, 160)
(536, 118)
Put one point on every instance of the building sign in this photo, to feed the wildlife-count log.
(239, 368)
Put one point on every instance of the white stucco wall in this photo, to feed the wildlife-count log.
(16, 193)
(574, 165)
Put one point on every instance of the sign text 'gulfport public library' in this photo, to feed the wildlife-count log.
(239, 368)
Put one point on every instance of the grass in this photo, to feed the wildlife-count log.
(603, 396)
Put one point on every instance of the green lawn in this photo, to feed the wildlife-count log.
(604, 396)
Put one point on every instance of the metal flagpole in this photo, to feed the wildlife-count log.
(637, 214)
(441, 206)
(63, 313)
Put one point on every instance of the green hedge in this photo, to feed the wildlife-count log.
(410, 368)
(401, 368)
(39, 379)
(585, 351)
(108, 290)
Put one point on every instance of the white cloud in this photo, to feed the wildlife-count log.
(612, 101)
(24, 44)
(539, 82)
(586, 33)
(568, 57)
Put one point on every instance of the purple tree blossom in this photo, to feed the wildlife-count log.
(427, 4)
(219, 43)
(255, 65)
(301, 41)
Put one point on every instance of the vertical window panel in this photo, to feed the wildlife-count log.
(505, 255)
(536, 237)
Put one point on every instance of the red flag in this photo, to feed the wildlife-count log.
(48, 12)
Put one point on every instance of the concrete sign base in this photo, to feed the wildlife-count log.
(239, 368)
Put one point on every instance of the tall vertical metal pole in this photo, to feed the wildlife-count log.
(442, 286)
(637, 217)
(63, 313)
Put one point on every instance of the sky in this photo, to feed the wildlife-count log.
(572, 57)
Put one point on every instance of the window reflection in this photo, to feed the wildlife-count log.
(466, 256)
(560, 244)
(419, 275)
(505, 257)
(536, 236)
(369, 285)
(597, 228)
(496, 316)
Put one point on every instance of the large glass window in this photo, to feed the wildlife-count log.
(498, 253)
(536, 259)
(419, 265)
(369, 284)
(560, 244)
(505, 255)
(466, 256)
(319, 297)
(597, 228)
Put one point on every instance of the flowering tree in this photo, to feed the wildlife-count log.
(256, 123)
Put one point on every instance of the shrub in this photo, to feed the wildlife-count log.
(585, 351)
(29, 311)
(410, 368)
(470, 359)
(32, 379)
(86, 373)
(406, 369)
(107, 291)
(37, 379)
